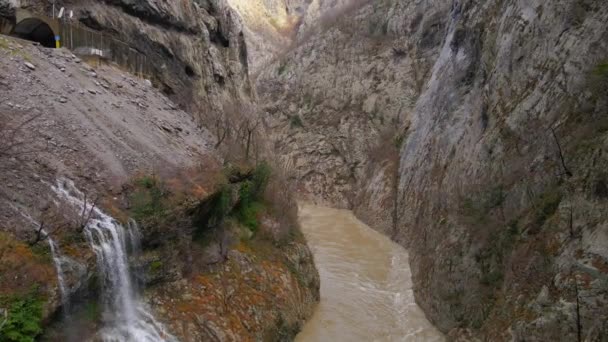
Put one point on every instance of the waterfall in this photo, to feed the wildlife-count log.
(58, 260)
(126, 318)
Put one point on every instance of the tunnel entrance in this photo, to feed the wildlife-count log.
(35, 30)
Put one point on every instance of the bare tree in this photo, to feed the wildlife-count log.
(222, 129)
(249, 126)
(12, 142)
(560, 153)
(237, 131)
(86, 215)
(59, 219)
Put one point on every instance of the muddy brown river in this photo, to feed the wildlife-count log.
(366, 287)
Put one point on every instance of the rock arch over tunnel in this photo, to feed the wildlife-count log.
(36, 30)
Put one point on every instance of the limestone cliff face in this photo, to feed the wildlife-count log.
(269, 28)
(498, 109)
(501, 175)
(339, 104)
(196, 48)
(273, 26)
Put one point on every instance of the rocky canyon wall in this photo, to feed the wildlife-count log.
(500, 198)
(496, 111)
(273, 27)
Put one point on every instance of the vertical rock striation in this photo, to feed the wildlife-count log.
(498, 110)
(498, 191)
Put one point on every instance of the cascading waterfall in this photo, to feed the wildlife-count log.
(58, 260)
(126, 317)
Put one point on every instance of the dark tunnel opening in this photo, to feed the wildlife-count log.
(35, 30)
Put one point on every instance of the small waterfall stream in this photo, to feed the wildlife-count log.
(126, 318)
(58, 260)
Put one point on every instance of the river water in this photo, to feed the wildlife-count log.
(366, 287)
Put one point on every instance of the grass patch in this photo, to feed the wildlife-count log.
(3, 44)
(598, 80)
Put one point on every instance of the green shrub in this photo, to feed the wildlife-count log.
(92, 311)
(261, 176)
(251, 197)
(282, 68)
(601, 69)
(295, 121)
(398, 140)
(156, 265)
(148, 198)
(248, 215)
(492, 278)
(211, 213)
(23, 322)
(547, 205)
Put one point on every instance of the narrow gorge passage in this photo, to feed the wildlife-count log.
(366, 283)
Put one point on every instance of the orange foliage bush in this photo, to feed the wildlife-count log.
(21, 270)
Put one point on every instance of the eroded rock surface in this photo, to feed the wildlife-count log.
(498, 110)
(274, 26)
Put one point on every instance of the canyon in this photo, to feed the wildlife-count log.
(472, 134)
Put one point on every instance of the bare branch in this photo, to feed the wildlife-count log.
(40, 235)
(561, 154)
(85, 217)
(9, 142)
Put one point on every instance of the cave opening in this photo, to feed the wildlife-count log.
(35, 30)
